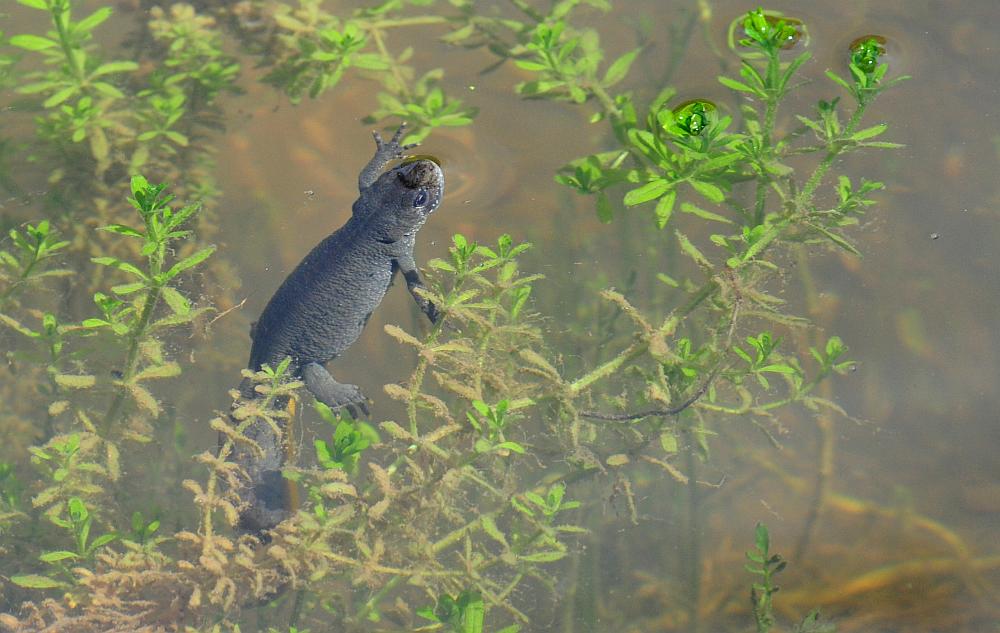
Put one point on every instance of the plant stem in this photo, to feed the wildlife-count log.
(383, 50)
(761, 199)
(692, 557)
(608, 368)
(805, 196)
(773, 96)
(136, 336)
(824, 423)
(607, 102)
(73, 60)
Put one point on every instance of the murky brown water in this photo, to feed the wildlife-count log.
(916, 471)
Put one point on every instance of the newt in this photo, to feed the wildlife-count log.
(323, 305)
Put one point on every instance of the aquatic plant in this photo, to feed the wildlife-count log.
(765, 566)
(476, 494)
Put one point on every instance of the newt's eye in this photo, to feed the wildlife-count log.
(421, 198)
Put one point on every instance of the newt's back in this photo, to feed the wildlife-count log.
(322, 306)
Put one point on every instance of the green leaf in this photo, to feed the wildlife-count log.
(834, 77)
(473, 615)
(93, 20)
(59, 97)
(177, 302)
(34, 4)
(108, 90)
(870, 132)
(667, 279)
(428, 613)
(119, 264)
(482, 446)
(793, 67)
(619, 68)
(647, 192)
(511, 446)
(665, 208)
(762, 539)
(735, 85)
(41, 86)
(169, 369)
(189, 262)
(604, 211)
(18, 327)
(668, 442)
(181, 216)
(114, 67)
(883, 145)
(708, 190)
(32, 42)
(761, 243)
(838, 240)
(34, 581)
(543, 557)
(491, 529)
(481, 407)
(439, 264)
(75, 381)
(525, 64)
(687, 207)
(177, 138)
(54, 557)
(122, 229)
(124, 289)
(692, 251)
(102, 540)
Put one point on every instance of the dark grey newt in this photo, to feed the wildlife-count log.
(323, 305)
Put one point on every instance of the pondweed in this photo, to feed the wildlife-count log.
(448, 517)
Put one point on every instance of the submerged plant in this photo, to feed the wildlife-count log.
(765, 566)
(483, 485)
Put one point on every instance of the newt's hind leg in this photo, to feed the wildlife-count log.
(332, 393)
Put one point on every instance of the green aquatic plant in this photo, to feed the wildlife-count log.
(462, 614)
(27, 262)
(80, 95)
(315, 49)
(765, 566)
(481, 487)
(77, 521)
(81, 459)
(350, 439)
(312, 51)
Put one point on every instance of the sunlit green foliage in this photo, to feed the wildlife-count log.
(315, 50)
(350, 439)
(475, 494)
(464, 614)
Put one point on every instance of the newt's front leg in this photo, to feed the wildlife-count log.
(384, 152)
(408, 267)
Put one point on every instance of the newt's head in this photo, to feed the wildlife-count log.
(401, 199)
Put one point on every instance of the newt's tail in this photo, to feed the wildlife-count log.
(267, 497)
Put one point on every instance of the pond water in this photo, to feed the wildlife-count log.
(887, 514)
